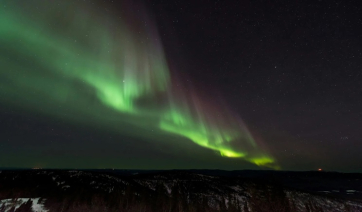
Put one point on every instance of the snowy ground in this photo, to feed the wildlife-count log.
(36, 206)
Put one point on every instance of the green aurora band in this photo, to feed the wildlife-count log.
(69, 61)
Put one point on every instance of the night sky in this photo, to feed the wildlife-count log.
(160, 84)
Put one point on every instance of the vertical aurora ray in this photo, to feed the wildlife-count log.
(119, 68)
(48, 54)
(213, 128)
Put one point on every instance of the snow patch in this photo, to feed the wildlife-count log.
(16, 203)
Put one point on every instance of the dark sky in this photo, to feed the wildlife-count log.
(292, 70)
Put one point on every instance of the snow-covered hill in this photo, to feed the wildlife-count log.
(162, 191)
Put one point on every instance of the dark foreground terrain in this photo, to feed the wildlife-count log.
(178, 190)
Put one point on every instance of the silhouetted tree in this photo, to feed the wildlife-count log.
(25, 207)
(12, 209)
(2, 208)
(222, 205)
(246, 209)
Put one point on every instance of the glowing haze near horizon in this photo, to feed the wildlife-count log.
(72, 62)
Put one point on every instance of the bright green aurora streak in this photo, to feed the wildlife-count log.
(70, 54)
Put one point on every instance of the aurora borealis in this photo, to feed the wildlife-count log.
(82, 66)
(168, 84)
